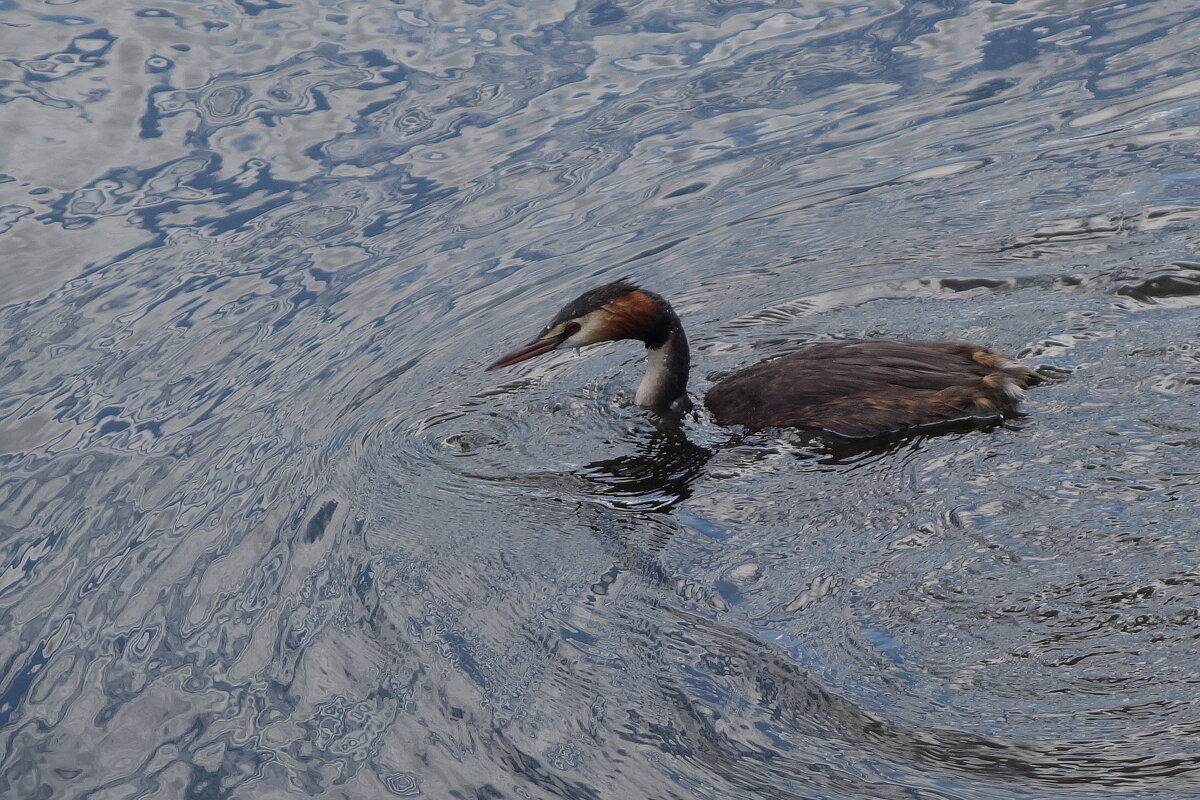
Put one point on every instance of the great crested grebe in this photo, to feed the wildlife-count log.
(859, 388)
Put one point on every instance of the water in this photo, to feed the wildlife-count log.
(268, 530)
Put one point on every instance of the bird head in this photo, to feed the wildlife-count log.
(618, 310)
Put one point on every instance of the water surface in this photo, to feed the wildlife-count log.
(268, 530)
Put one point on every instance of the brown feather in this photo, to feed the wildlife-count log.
(629, 314)
(872, 387)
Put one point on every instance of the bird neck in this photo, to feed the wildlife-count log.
(664, 387)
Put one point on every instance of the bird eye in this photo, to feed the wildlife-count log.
(572, 328)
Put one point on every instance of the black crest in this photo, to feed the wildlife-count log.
(593, 300)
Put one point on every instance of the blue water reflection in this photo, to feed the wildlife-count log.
(268, 530)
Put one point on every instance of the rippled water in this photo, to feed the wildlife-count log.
(267, 529)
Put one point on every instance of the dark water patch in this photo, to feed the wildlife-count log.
(1178, 283)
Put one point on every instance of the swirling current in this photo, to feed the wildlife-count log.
(267, 528)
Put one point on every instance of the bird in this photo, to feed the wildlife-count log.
(853, 389)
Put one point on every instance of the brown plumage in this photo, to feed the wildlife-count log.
(870, 387)
(863, 388)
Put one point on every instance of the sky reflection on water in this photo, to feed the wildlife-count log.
(268, 530)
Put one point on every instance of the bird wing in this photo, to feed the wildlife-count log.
(863, 388)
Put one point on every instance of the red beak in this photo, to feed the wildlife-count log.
(535, 348)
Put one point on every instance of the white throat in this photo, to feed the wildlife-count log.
(656, 379)
(665, 385)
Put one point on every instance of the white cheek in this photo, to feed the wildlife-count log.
(589, 333)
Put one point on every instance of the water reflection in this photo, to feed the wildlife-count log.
(657, 476)
(266, 529)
